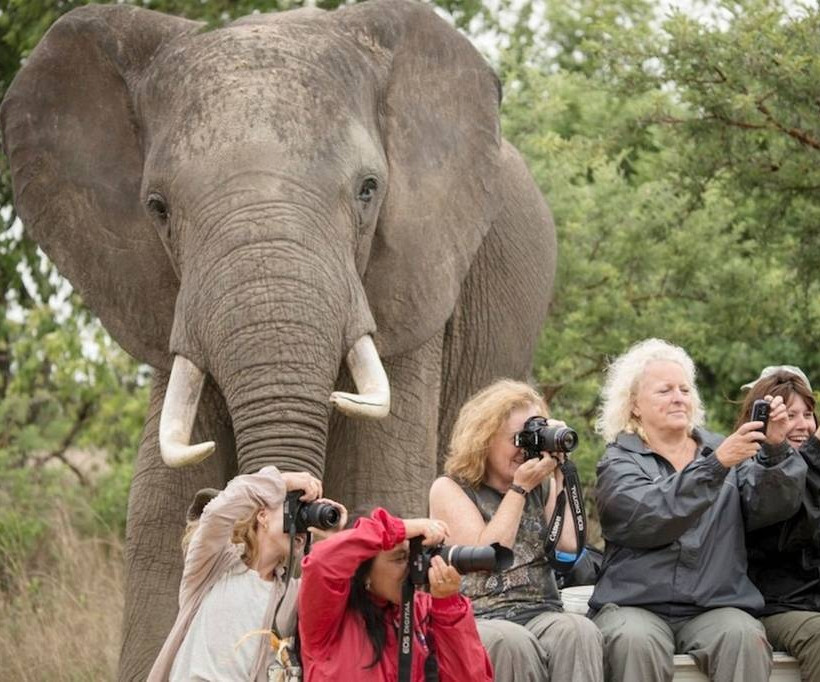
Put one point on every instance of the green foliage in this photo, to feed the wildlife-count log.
(69, 387)
(681, 166)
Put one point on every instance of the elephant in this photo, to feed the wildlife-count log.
(308, 224)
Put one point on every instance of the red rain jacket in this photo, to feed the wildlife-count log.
(335, 646)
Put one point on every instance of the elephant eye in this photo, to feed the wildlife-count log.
(368, 190)
(157, 207)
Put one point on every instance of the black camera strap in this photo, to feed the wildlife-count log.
(296, 648)
(408, 592)
(571, 491)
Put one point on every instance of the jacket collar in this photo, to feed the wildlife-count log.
(632, 442)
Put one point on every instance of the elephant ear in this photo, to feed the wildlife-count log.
(73, 142)
(441, 134)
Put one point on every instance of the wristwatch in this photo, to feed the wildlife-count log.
(518, 489)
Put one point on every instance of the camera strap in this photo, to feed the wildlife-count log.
(408, 591)
(296, 650)
(572, 492)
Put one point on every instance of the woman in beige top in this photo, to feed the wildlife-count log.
(233, 580)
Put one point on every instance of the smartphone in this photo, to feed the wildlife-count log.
(760, 413)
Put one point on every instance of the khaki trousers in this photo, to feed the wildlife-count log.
(798, 634)
(562, 647)
(728, 645)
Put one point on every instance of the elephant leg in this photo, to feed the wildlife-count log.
(391, 461)
(157, 503)
(504, 299)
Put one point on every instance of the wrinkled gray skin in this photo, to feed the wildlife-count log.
(203, 191)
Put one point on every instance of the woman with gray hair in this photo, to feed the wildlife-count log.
(674, 502)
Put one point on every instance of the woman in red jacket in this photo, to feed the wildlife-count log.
(349, 607)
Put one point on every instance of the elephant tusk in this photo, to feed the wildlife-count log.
(373, 398)
(178, 414)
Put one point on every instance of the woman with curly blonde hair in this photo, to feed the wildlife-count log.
(492, 493)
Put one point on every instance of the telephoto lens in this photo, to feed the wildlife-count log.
(464, 558)
(470, 558)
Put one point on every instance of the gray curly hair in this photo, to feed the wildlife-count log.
(621, 385)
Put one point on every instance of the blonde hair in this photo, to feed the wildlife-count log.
(621, 386)
(479, 420)
(244, 533)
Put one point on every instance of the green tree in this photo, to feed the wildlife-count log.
(679, 161)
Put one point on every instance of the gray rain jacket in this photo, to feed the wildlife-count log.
(675, 540)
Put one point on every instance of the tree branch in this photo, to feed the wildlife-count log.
(800, 135)
(549, 391)
(59, 453)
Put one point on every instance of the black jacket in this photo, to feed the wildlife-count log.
(675, 540)
(784, 559)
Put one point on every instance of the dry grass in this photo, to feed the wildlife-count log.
(60, 619)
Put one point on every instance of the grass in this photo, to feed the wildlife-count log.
(61, 608)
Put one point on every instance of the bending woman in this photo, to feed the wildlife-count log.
(235, 557)
(349, 607)
(674, 501)
(491, 494)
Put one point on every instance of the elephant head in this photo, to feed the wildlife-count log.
(259, 202)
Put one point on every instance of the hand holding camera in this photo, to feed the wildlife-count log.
(438, 567)
(432, 531)
(542, 436)
(463, 558)
(310, 486)
(301, 516)
(774, 414)
(539, 436)
(444, 580)
(533, 471)
(742, 444)
(426, 538)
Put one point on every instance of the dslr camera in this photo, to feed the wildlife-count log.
(464, 558)
(301, 515)
(536, 437)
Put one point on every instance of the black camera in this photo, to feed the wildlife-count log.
(464, 558)
(536, 437)
(299, 516)
(760, 413)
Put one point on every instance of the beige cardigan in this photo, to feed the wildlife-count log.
(211, 555)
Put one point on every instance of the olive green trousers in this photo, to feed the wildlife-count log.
(798, 634)
(728, 644)
(562, 647)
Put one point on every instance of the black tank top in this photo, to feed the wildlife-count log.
(528, 587)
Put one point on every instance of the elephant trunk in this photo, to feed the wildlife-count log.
(272, 335)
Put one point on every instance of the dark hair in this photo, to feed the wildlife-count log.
(360, 601)
(782, 383)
